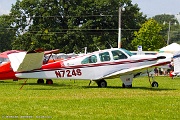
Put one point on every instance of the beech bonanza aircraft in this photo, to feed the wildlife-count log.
(96, 66)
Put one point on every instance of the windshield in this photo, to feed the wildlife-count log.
(3, 59)
(127, 52)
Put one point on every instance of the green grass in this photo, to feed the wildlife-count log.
(68, 100)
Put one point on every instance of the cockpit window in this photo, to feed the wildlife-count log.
(127, 52)
(118, 55)
(90, 59)
(3, 60)
(104, 56)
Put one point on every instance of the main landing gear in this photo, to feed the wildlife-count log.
(48, 81)
(40, 81)
(101, 83)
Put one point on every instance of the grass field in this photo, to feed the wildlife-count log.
(68, 100)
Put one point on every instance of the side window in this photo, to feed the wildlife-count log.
(85, 61)
(93, 59)
(118, 55)
(90, 59)
(104, 56)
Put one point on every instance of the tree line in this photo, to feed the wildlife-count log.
(71, 25)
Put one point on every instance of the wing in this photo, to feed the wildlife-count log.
(133, 70)
(52, 51)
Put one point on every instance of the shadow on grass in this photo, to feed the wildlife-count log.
(7, 81)
(56, 86)
(59, 86)
(143, 88)
(53, 86)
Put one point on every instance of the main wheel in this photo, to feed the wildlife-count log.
(40, 81)
(102, 83)
(49, 81)
(154, 84)
(15, 79)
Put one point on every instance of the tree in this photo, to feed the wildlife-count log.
(71, 25)
(174, 34)
(169, 21)
(148, 36)
(7, 33)
(161, 19)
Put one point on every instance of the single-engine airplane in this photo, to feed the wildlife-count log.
(6, 71)
(96, 66)
(5, 68)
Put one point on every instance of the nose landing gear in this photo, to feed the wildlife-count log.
(154, 83)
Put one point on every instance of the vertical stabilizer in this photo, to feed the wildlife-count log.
(23, 61)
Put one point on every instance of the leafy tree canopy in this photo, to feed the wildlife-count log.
(165, 18)
(170, 27)
(7, 33)
(71, 25)
(148, 36)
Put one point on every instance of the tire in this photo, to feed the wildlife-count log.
(126, 86)
(154, 84)
(15, 79)
(40, 81)
(123, 85)
(49, 81)
(102, 83)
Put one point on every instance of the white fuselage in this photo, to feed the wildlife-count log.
(79, 68)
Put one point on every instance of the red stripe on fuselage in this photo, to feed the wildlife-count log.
(59, 65)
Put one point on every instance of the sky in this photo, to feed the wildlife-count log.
(148, 7)
(157, 7)
(5, 6)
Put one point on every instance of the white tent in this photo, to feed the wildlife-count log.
(174, 47)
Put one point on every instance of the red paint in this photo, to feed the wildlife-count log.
(6, 72)
(53, 65)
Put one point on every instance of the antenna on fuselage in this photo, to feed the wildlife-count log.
(97, 47)
(109, 44)
(85, 50)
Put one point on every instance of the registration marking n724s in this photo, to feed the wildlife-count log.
(68, 73)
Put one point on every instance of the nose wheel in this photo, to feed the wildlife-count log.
(154, 83)
(126, 86)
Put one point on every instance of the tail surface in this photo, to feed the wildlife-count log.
(24, 61)
(176, 60)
